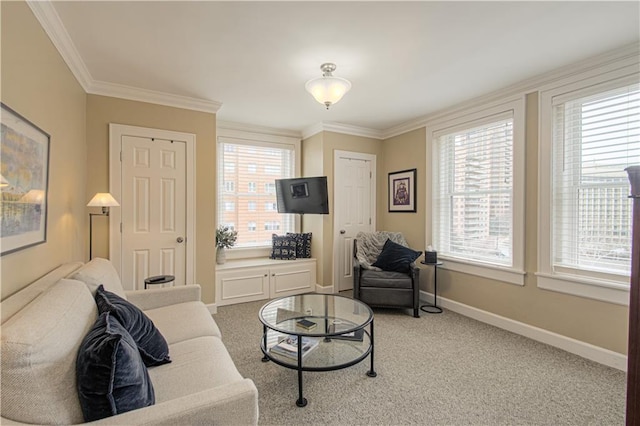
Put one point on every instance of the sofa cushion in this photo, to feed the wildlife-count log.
(183, 321)
(100, 271)
(112, 378)
(151, 344)
(39, 348)
(395, 257)
(198, 364)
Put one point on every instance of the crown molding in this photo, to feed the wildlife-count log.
(347, 129)
(151, 96)
(252, 128)
(50, 21)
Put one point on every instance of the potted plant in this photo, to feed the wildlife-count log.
(225, 238)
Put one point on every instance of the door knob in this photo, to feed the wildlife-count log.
(342, 231)
(180, 239)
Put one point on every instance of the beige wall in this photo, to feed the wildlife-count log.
(37, 84)
(323, 145)
(101, 111)
(598, 323)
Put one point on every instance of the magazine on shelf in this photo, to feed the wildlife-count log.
(354, 335)
(289, 346)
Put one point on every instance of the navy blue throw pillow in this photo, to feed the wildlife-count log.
(395, 257)
(110, 375)
(283, 247)
(152, 345)
(303, 244)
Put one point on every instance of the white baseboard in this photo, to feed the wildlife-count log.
(324, 290)
(213, 308)
(577, 347)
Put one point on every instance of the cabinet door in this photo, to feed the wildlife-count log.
(287, 280)
(244, 285)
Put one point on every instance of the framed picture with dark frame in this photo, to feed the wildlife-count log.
(24, 180)
(402, 191)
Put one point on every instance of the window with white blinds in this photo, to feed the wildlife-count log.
(596, 135)
(249, 187)
(473, 192)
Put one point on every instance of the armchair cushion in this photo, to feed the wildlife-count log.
(395, 257)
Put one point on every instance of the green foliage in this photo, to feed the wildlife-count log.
(226, 237)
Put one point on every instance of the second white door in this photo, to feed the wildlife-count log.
(354, 199)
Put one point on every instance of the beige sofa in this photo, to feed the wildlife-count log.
(44, 324)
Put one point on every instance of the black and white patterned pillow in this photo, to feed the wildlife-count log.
(303, 244)
(283, 247)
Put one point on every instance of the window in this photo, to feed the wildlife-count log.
(477, 193)
(272, 169)
(592, 135)
(270, 187)
(255, 157)
(272, 226)
(229, 186)
(230, 167)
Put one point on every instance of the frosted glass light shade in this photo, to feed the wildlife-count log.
(328, 90)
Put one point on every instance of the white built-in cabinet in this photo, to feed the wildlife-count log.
(239, 281)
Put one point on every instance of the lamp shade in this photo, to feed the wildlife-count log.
(328, 89)
(103, 199)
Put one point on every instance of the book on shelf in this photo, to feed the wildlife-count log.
(289, 346)
(306, 324)
(353, 335)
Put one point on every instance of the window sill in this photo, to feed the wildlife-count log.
(507, 275)
(247, 253)
(605, 291)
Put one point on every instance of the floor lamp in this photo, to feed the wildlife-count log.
(104, 200)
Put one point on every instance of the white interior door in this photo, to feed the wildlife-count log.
(354, 199)
(154, 185)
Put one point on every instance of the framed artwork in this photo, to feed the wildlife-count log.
(24, 179)
(402, 191)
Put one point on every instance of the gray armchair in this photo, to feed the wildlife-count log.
(379, 288)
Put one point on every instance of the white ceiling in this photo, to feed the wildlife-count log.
(405, 59)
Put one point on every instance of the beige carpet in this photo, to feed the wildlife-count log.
(441, 369)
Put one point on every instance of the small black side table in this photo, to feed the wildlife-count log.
(158, 279)
(433, 309)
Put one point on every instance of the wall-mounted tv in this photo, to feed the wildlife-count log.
(306, 195)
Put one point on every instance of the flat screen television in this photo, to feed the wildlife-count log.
(307, 195)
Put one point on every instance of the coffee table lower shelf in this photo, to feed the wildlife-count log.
(307, 363)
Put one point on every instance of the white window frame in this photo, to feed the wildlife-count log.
(588, 285)
(469, 118)
(234, 133)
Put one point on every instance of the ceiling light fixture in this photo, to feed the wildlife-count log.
(328, 89)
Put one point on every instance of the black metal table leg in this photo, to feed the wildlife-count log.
(265, 358)
(301, 402)
(372, 372)
(433, 309)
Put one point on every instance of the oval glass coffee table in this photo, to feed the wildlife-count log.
(316, 332)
